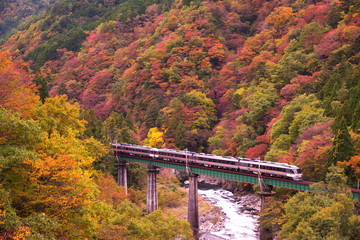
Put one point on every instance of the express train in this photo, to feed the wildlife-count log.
(188, 158)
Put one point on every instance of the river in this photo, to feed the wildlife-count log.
(237, 225)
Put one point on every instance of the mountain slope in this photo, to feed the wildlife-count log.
(12, 13)
(243, 78)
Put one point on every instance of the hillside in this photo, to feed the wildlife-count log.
(242, 78)
(12, 13)
(267, 78)
(279, 80)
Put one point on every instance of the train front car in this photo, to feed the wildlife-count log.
(272, 169)
(296, 173)
(285, 170)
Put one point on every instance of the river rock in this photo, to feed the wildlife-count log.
(212, 220)
(251, 203)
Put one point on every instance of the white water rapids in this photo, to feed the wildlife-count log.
(237, 225)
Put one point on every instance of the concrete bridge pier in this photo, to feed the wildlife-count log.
(266, 191)
(193, 208)
(122, 175)
(152, 196)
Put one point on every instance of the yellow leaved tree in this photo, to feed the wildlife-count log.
(154, 138)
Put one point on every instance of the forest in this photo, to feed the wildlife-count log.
(277, 80)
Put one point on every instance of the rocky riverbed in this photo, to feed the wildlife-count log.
(233, 221)
(235, 213)
(244, 196)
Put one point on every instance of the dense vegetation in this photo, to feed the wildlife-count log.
(49, 188)
(12, 13)
(325, 213)
(276, 79)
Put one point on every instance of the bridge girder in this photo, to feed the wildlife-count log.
(240, 177)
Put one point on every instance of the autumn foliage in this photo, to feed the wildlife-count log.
(17, 91)
(276, 80)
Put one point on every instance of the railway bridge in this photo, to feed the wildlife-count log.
(193, 172)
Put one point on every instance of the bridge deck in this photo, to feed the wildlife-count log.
(241, 177)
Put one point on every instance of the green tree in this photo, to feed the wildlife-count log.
(290, 111)
(94, 125)
(259, 98)
(354, 104)
(42, 86)
(244, 137)
(342, 148)
(323, 213)
(308, 116)
(180, 135)
(173, 115)
(117, 127)
(130, 223)
(301, 113)
(334, 15)
(280, 147)
(152, 114)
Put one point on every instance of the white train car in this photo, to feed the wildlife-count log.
(252, 166)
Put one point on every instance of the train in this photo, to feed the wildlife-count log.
(210, 161)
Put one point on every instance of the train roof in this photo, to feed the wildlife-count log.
(211, 156)
(286, 165)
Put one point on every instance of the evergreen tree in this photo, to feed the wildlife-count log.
(152, 114)
(42, 86)
(116, 127)
(355, 119)
(354, 102)
(94, 124)
(180, 135)
(342, 148)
